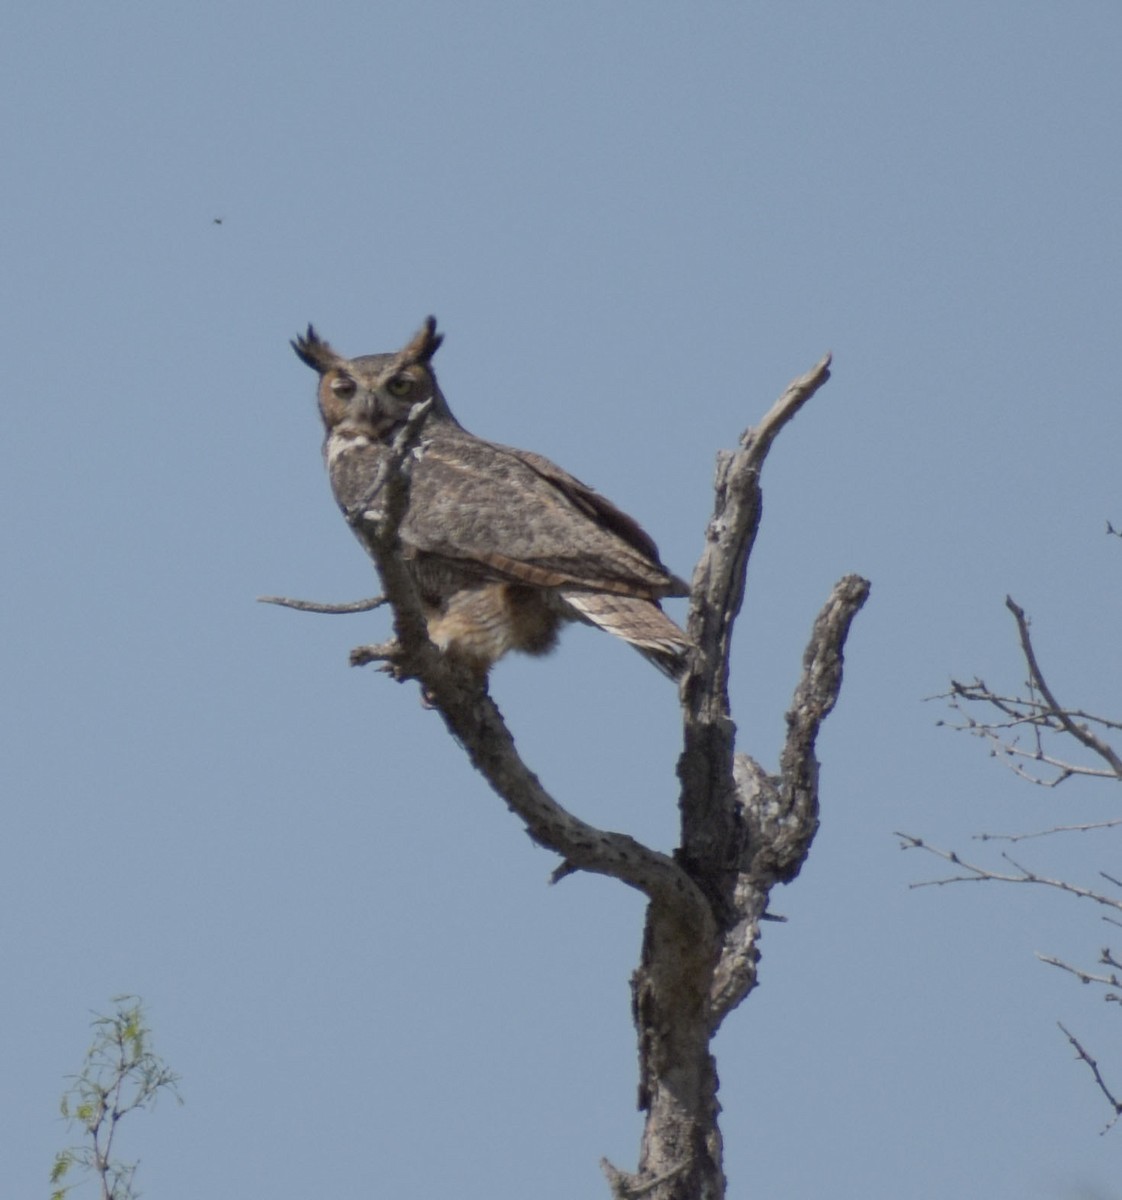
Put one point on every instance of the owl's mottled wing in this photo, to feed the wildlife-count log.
(523, 519)
(599, 508)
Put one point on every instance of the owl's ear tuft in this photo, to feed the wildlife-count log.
(425, 343)
(313, 350)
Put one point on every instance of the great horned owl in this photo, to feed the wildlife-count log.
(502, 544)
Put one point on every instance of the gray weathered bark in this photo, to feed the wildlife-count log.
(743, 830)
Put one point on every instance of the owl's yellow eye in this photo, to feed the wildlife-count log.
(343, 387)
(399, 385)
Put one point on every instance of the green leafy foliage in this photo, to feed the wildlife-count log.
(120, 1075)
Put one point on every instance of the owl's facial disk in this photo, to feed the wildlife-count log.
(372, 395)
(373, 402)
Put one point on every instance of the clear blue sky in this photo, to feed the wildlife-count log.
(636, 222)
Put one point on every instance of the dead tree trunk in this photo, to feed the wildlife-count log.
(742, 830)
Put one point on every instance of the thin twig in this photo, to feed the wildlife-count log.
(978, 874)
(313, 606)
(1021, 710)
(1083, 976)
(1039, 833)
(1081, 733)
(1082, 1053)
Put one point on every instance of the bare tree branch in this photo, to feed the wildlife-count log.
(718, 582)
(1110, 980)
(1088, 827)
(1031, 713)
(742, 830)
(1019, 710)
(1081, 732)
(314, 606)
(973, 873)
(1094, 1066)
(711, 828)
(780, 813)
(1038, 713)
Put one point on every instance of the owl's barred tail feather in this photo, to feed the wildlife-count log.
(638, 621)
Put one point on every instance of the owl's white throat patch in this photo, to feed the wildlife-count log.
(340, 442)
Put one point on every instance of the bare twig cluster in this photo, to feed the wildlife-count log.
(1021, 729)
(1017, 726)
(743, 830)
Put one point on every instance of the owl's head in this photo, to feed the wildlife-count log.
(375, 393)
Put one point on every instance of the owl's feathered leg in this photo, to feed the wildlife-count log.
(478, 625)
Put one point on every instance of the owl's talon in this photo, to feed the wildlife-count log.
(382, 652)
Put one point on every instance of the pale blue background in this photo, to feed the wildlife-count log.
(636, 222)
